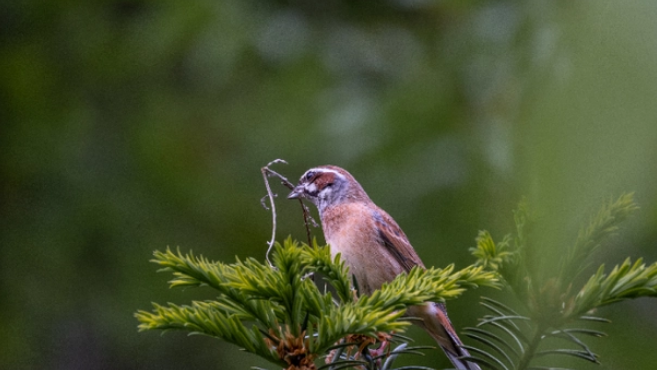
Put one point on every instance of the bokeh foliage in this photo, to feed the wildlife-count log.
(550, 303)
(127, 126)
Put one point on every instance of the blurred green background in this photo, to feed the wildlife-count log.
(129, 126)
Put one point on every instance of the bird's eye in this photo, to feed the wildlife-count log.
(309, 175)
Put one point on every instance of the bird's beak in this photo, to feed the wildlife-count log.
(296, 193)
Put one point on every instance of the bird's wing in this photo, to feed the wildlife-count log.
(395, 241)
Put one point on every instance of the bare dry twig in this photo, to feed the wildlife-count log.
(307, 218)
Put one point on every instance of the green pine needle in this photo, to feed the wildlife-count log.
(551, 305)
(279, 313)
(603, 225)
(626, 281)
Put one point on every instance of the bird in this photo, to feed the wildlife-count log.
(373, 246)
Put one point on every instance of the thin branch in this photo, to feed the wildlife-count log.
(271, 196)
(532, 347)
(307, 218)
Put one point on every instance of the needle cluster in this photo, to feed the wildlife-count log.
(553, 306)
(280, 314)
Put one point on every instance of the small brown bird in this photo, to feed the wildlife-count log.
(373, 246)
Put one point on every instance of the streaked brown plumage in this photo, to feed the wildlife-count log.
(373, 245)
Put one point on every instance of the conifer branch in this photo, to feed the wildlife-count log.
(602, 226)
(283, 317)
(626, 281)
(551, 307)
(277, 314)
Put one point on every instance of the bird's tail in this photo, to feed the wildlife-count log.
(458, 362)
(440, 328)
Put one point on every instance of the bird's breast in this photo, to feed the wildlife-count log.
(350, 231)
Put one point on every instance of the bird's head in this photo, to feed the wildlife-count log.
(327, 186)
